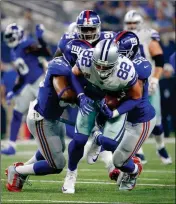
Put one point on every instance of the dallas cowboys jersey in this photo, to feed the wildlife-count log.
(145, 36)
(48, 104)
(27, 64)
(123, 76)
(67, 37)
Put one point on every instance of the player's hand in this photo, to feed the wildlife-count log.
(9, 97)
(153, 84)
(86, 104)
(105, 109)
(39, 30)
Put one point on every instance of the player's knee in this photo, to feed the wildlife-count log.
(158, 130)
(118, 159)
(60, 161)
(80, 139)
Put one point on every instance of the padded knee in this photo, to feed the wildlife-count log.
(60, 161)
(118, 159)
(80, 139)
(158, 130)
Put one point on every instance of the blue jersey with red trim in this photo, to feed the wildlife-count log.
(144, 111)
(27, 64)
(48, 102)
(67, 37)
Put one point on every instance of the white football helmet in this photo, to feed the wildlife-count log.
(105, 57)
(13, 35)
(133, 21)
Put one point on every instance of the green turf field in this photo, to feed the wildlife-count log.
(155, 185)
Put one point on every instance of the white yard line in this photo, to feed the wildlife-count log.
(65, 201)
(95, 182)
(32, 142)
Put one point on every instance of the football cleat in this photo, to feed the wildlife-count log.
(69, 183)
(15, 180)
(165, 158)
(8, 151)
(142, 158)
(113, 175)
(94, 151)
(128, 181)
(15, 165)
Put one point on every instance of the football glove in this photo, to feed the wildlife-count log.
(153, 84)
(107, 111)
(85, 105)
(39, 30)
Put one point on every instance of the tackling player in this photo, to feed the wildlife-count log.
(152, 51)
(25, 53)
(55, 93)
(110, 72)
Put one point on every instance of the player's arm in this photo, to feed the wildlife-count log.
(63, 89)
(58, 53)
(134, 98)
(157, 55)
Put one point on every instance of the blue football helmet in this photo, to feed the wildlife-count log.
(88, 26)
(128, 43)
(73, 49)
(13, 35)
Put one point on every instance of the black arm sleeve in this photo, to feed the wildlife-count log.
(159, 60)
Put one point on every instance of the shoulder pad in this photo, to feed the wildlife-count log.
(58, 66)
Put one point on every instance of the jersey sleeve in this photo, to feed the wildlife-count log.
(143, 67)
(12, 55)
(154, 35)
(28, 42)
(64, 40)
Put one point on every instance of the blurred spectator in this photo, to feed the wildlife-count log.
(27, 22)
(162, 24)
(121, 11)
(135, 5)
(166, 7)
(150, 9)
(173, 62)
(168, 100)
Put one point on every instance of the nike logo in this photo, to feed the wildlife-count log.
(94, 160)
(145, 66)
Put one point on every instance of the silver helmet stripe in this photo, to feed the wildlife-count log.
(105, 50)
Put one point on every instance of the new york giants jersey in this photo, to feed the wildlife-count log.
(122, 77)
(144, 111)
(145, 36)
(67, 37)
(48, 102)
(27, 64)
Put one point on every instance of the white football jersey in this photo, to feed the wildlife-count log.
(145, 36)
(123, 76)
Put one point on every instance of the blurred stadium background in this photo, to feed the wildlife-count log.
(56, 17)
(157, 184)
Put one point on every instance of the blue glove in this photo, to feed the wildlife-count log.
(105, 109)
(39, 30)
(9, 97)
(85, 104)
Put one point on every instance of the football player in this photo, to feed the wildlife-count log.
(110, 72)
(88, 28)
(140, 120)
(152, 51)
(128, 44)
(25, 53)
(59, 88)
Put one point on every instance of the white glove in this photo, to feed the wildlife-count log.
(153, 84)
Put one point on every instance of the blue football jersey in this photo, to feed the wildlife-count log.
(48, 103)
(27, 63)
(67, 37)
(144, 111)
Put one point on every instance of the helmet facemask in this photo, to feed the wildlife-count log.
(103, 68)
(89, 33)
